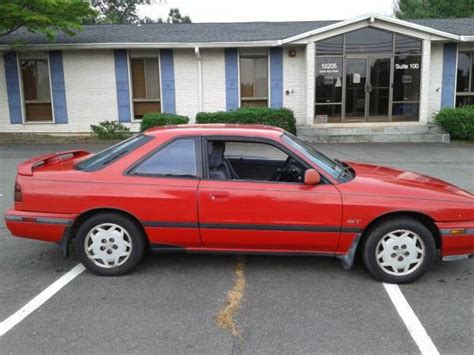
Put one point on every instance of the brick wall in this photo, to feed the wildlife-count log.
(294, 82)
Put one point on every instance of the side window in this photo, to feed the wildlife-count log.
(251, 150)
(251, 161)
(177, 159)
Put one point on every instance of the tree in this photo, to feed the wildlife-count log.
(125, 11)
(175, 16)
(114, 12)
(43, 16)
(410, 9)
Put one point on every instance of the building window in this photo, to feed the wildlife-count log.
(367, 75)
(36, 90)
(145, 86)
(328, 88)
(465, 80)
(254, 78)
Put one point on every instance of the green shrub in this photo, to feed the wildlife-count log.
(282, 117)
(153, 119)
(110, 130)
(459, 122)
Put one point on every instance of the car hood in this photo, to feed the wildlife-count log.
(375, 179)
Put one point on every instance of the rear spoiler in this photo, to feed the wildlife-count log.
(26, 168)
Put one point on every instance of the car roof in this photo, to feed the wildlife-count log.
(218, 129)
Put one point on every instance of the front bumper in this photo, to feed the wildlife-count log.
(457, 240)
(49, 227)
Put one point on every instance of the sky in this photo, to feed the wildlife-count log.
(267, 10)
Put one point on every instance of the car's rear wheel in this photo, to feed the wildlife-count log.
(399, 250)
(110, 244)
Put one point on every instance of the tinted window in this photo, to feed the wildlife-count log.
(113, 153)
(176, 159)
(464, 68)
(330, 46)
(406, 78)
(328, 79)
(407, 45)
(369, 40)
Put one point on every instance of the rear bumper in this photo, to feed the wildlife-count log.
(49, 227)
(457, 240)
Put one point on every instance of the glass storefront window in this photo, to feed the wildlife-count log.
(328, 79)
(405, 111)
(330, 46)
(406, 78)
(369, 40)
(407, 45)
(328, 113)
(368, 75)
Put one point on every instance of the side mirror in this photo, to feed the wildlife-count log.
(311, 177)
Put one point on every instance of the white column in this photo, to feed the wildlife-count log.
(310, 53)
(425, 81)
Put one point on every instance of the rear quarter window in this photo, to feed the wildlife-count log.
(112, 154)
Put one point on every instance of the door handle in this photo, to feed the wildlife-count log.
(219, 195)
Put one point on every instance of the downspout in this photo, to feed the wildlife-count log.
(199, 68)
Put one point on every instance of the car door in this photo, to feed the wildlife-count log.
(263, 215)
(161, 190)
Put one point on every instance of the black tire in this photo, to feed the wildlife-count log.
(135, 237)
(370, 244)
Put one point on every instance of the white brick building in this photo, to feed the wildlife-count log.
(364, 75)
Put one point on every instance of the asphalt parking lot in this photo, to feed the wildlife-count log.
(174, 303)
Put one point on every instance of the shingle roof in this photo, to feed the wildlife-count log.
(176, 33)
(209, 32)
(457, 26)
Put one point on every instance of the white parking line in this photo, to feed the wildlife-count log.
(413, 324)
(39, 300)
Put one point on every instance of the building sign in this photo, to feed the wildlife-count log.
(406, 66)
(328, 68)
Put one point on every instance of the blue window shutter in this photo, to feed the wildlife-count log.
(58, 87)
(449, 75)
(231, 79)
(168, 104)
(13, 88)
(123, 89)
(276, 77)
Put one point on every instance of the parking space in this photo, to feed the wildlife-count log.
(289, 304)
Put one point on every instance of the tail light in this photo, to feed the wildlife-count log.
(18, 194)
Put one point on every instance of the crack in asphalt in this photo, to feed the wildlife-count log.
(225, 316)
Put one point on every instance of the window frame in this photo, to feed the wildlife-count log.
(259, 140)
(470, 83)
(255, 98)
(130, 171)
(24, 102)
(130, 57)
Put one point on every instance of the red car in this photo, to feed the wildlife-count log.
(238, 189)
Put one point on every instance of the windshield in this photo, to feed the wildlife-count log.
(332, 167)
(109, 155)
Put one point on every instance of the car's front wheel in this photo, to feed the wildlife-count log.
(399, 250)
(110, 244)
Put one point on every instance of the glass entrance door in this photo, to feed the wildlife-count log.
(379, 89)
(356, 82)
(367, 96)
